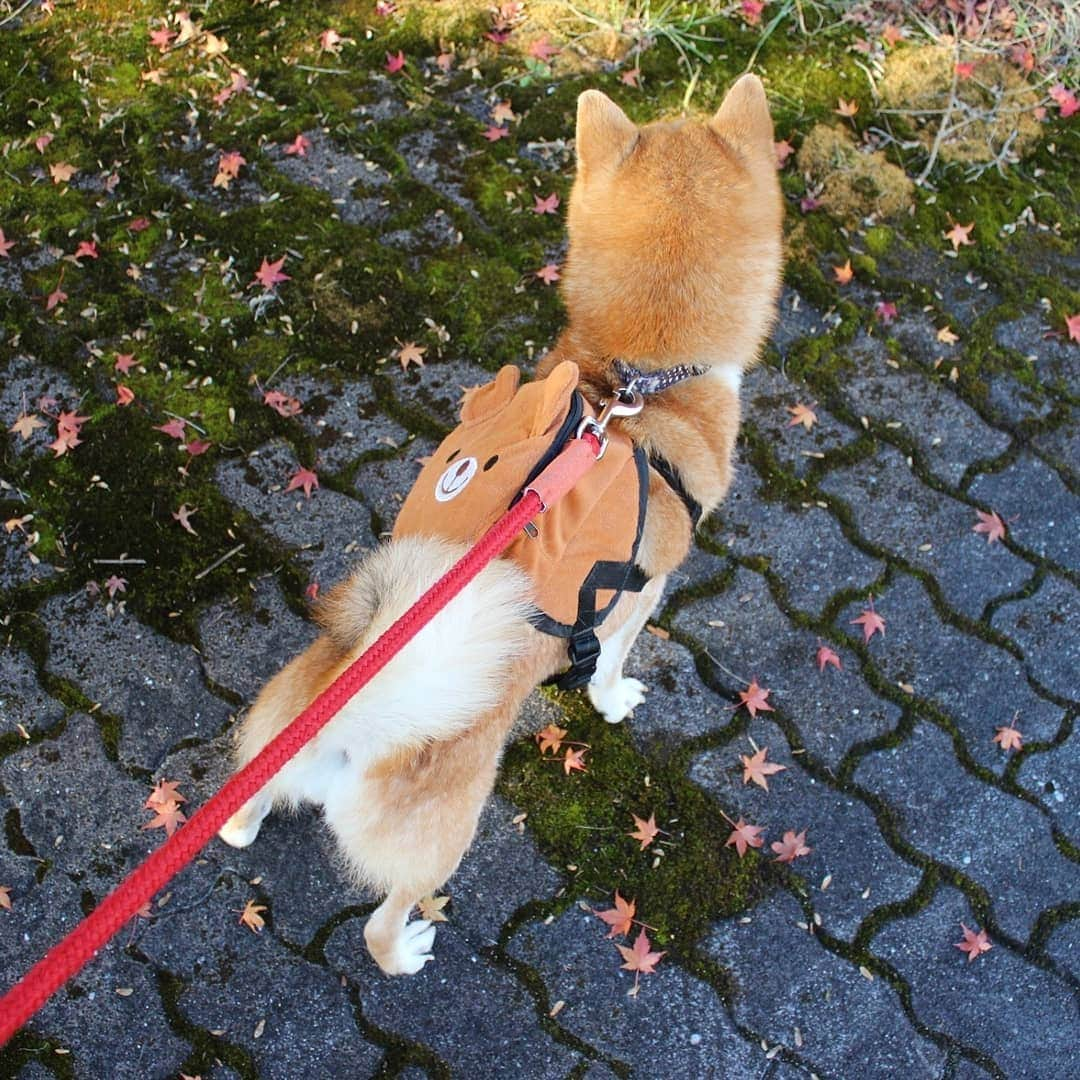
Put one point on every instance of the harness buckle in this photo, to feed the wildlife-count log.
(626, 401)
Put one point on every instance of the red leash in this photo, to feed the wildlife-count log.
(71, 954)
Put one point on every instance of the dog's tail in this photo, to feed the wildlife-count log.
(455, 668)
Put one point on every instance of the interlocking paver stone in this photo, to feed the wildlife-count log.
(1055, 360)
(675, 1027)
(999, 841)
(153, 684)
(24, 382)
(1047, 627)
(343, 419)
(978, 685)
(22, 699)
(805, 548)
(1053, 776)
(847, 845)
(326, 530)
(987, 1003)
(896, 511)
(744, 631)
(766, 396)
(243, 647)
(949, 434)
(1040, 511)
(384, 484)
(469, 1010)
(801, 985)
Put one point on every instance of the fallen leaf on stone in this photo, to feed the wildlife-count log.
(871, 622)
(640, 959)
(299, 146)
(844, 273)
(885, 311)
(802, 414)
(303, 478)
(551, 738)
(165, 792)
(974, 943)
(282, 404)
(744, 836)
(5, 897)
(251, 916)
(754, 697)
(991, 524)
(167, 816)
(1072, 324)
(756, 768)
(658, 631)
(620, 918)
(825, 655)
(1010, 738)
(792, 847)
(431, 908)
(645, 831)
(26, 424)
(947, 337)
(229, 165)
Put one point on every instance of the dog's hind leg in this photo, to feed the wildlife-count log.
(613, 695)
(282, 699)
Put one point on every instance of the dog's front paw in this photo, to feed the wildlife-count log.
(616, 701)
(412, 950)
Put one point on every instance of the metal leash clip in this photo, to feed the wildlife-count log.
(626, 401)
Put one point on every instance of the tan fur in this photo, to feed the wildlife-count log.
(675, 252)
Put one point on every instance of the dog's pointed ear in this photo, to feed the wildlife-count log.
(743, 115)
(605, 134)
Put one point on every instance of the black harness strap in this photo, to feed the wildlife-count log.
(674, 481)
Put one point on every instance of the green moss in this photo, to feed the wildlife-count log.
(878, 239)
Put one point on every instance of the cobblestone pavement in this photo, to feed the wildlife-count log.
(843, 966)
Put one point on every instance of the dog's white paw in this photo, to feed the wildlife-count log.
(616, 701)
(413, 947)
(240, 830)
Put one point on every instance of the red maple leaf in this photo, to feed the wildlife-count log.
(5, 897)
(645, 831)
(825, 655)
(124, 394)
(756, 768)
(574, 761)
(299, 146)
(620, 917)
(183, 515)
(124, 362)
(1009, 737)
(494, 134)
(754, 698)
(174, 428)
(871, 622)
(161, 38)
(116, 584)
(303, 478)
(546, 206)
(549, 274)
(67, 439)
(802, 414)
(56, 297)
(791, 847)
(198, 447)
(167, 816)
(885, 311)
(1065, 99)
(269, 274)
(551, 738)
(282, 403)
(87, 249)
(5, 245)
(960, 235)
(542, 49)
(784, 150)
(137, 225)
(165, 792)
(1072, 323)
(974, 943)
(991, 524)
(630, 77)
(395, 62)
(745, 836)
(640, 959)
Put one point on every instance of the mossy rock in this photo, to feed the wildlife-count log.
(993, 105)
(855, 184)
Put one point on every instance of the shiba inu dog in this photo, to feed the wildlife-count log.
(674, 260)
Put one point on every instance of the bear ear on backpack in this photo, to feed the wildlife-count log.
(483, 401)
(558, 388)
